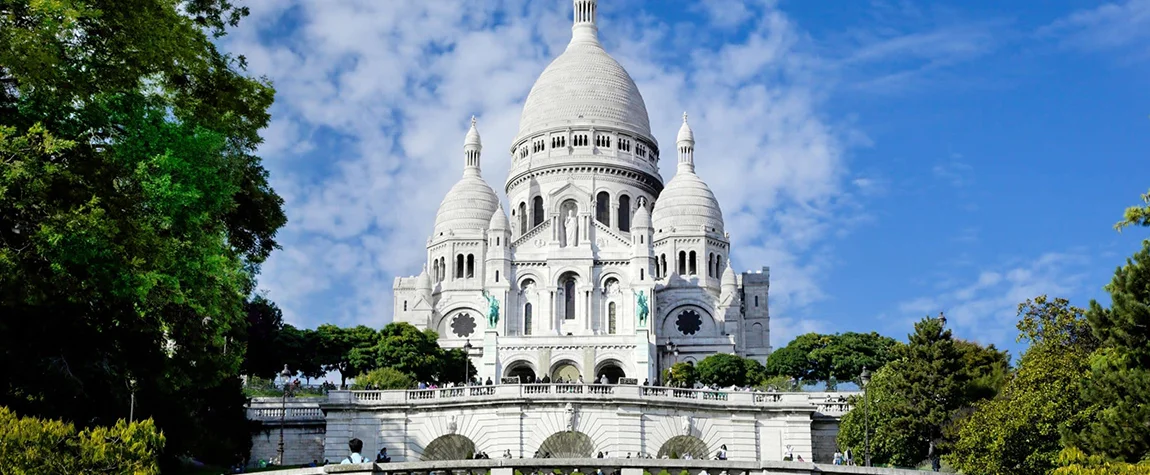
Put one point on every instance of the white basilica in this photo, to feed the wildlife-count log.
(592, 232)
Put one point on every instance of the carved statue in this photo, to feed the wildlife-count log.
(686, 425)
(571, 225)
(613, 288)
(452, 426)
(641, 302)
(570, 419)
(492, 309)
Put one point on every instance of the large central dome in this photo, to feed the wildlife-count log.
(584, 86)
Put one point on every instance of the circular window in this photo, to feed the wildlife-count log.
(689, 322)
(463, 325)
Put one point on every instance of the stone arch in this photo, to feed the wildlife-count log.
(536, 211)
(568, 283)
(449, 447)
(677, 446)
(612, 368)
(603, 208)
(624, 213)
(445, 325)
(567, 444)
(521, 368)
(566, 369)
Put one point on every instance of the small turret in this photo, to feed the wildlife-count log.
(686, 144)
(472, 147)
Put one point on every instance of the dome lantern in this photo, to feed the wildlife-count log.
(686, 144)
(472, 147)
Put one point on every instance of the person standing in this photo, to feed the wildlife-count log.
(356, 447)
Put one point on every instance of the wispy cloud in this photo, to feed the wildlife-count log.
(984, 306)
(1117, 26)
(954, 171)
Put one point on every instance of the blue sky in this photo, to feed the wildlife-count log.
(886, 159)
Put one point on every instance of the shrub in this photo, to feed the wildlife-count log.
(30, 446)
(382, 378)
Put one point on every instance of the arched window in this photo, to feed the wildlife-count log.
(682, 263)
(442, 269)
(404, 305)
(536, 211)
(640, 274)
(662, 266)
(471, 265)
(711, 265)
(522, 218)
(497, 276)
(718, 265)
(625, 213)
(611, 318)
(691, 263)
(569, 298)
(756, 300)
(459, 266)
(603, 208)
(527, 319)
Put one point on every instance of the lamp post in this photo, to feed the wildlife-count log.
(286, 373)
(864, 378)
(466, 356)
(132, 407)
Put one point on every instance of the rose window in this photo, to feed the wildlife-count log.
(463, 325)
(689, 322)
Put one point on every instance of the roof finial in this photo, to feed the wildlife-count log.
(473, 119)
(684, 117)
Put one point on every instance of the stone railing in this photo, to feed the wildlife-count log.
(589, 467)
(294, 410)
(827, 404)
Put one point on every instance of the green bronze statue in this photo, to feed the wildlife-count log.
(643, 309)
(492, 310)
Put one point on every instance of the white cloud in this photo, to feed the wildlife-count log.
(1110, 26)
(985, 308)
(374, 99)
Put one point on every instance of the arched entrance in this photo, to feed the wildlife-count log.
(565, 371)
(678, 446)
(567, 445)
(612, 369)
(449, 447)
(521, 369)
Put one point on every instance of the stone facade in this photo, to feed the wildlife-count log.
(592, 227)
(581, 420)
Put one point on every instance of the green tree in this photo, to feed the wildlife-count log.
(383, 378)
(263, 356)
(134, 213)
(1118, 382)
(402, 346)
(814, 357)
(30, 446)
(727, 370)
(451, 366)
(1136, 215)
(1017, 432)
(916, 397)
(682, 374)
(347, 350)
(986, 368)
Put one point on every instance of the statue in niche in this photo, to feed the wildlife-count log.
(452, 426)
(492, 309)
(643, 309)
(571, 225)
(569, 411)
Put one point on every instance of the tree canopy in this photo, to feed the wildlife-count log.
(725, 370)
(134, 214)
(814, 357)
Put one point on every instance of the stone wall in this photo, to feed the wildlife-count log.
(302, 443)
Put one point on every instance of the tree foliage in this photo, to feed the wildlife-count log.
(914, 399)
(682, 374)
(1136, 215)
(1118, 382)
(814, 357)
(1018, 431)
(133, 215)
(383, 378)
(33, 446)
(725, 370)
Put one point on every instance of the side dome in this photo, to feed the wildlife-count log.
(687, 204)
(467, 207)
(585, 86)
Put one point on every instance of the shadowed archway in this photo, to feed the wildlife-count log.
(449, 447)
(680, 445)
(567, 444)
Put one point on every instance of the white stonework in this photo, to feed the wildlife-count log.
(591, 226)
